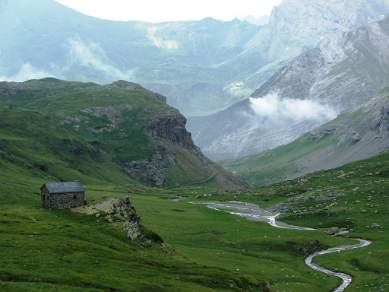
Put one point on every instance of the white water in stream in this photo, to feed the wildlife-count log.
(254, 213)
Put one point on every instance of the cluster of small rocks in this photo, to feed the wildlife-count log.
(335, 231)
(375, 226)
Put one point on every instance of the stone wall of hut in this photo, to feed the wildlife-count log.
(63, 200)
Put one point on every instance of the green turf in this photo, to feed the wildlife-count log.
(277, 164)
(69, 129)
(204, 250)
(362, 191)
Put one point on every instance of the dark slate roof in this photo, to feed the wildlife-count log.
(65, 187)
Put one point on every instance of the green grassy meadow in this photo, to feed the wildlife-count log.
(355, 196)
(205, 250)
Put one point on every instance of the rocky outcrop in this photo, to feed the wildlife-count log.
(296, 78)
(383, 123)
(176, 150)
(123, 212)
(298, 24)
(172, 128)
(164, 129)
(153, 171)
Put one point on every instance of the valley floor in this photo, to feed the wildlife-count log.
(205, 250)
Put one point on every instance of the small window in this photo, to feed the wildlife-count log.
(74, 197)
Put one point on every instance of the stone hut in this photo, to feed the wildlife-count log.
(63, 195)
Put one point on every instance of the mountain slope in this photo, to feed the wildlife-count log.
(69, 129)
(172, 58)
(360, 71)
(354, 135)
(297, 25)
(240, 130)
(314, 81)
(201, 66)
(58, 250)
(353, 199)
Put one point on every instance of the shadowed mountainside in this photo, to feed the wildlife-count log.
(69, 130)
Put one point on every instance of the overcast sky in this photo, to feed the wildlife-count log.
(171, 10)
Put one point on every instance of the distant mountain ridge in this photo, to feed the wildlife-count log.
(173, 58)
(201, 66)
(360, 71)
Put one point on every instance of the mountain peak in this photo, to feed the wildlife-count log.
(298, 24)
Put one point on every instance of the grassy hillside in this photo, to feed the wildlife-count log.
(354, 135)
(52, 130)
(68, 130)
(62, 251)
(354, 197)
(206, 250)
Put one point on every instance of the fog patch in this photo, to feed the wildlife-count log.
(275, 108)
(238, 89)
(90, 54)
(160, 42)
(26, 72)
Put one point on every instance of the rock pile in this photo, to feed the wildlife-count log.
(123, 212)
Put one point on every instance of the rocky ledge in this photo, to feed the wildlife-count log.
(172, 128)
(123, 212)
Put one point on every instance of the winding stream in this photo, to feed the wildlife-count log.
(347, 279)
(254, 213)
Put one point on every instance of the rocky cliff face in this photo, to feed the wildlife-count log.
(359, 71)
(175, 149)
(295, 79)
(299, 24)
(166, 130)
(172, 128)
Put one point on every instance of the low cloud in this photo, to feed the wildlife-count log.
(275, 108)
(91, 55)
(26, 72)
(238, 89)
(160, 42)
